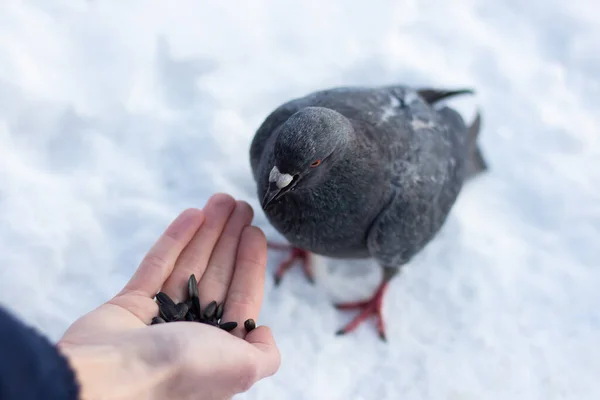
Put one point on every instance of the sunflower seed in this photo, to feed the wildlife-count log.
(190, 310)
(168, 312)
(220, 311)
(164, 298)
(249, 324)
(182, 310)
(228, 326)
(192, 286)
(210, 310)
(196, 306)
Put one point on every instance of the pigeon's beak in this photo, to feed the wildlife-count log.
(269, 197)
(279, 185)
(273, 194)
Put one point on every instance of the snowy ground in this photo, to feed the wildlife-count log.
(114, 116)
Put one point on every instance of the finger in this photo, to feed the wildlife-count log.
(245, 294)
(268, 355)
(216, 279)
(195, 256)
(160, 259)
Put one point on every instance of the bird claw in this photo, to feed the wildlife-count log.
(371, 307)
(295, 254)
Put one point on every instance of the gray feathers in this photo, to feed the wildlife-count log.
(301, 141)
(389, 168)
(432, 96)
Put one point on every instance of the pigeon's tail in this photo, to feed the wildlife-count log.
(432, 96)
(477, 163)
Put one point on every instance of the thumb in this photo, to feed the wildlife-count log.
(267, 351)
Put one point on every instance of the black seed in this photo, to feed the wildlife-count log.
(192, 286)
(228, 326)
(196, 306)
(219, 311)
(189, 316)
(167, 307)
(182, 310)
(164, 298)
(167, 312)
(157, 320)
(197, 317)
(249, 324)
(209, 311)
(165, 315)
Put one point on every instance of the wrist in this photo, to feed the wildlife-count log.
(108, 372)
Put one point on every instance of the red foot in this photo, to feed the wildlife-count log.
(295, 254)
(368, 308)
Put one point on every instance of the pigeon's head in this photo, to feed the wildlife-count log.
(305, 148)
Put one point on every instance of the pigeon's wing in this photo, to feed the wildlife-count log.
(428, 158)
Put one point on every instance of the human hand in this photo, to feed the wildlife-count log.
(116, 355)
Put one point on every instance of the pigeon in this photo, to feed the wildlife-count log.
(363, 173)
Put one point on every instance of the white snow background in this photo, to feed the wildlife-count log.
(115, 116)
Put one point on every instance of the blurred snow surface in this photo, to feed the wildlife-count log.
(115, 116)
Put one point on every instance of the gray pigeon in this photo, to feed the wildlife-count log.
(359, 172)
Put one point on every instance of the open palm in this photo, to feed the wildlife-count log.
(228, 256)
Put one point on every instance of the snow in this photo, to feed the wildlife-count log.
(115, 116)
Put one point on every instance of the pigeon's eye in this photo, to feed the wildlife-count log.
(315, 164)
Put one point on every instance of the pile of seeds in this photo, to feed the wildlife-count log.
(190, 310)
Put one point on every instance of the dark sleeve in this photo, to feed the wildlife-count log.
(30, 366)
